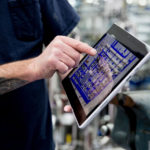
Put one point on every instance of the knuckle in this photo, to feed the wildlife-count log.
(57, 53)
(78, 45)
(52, 61)
(77, 56)
(58, 37)
(57, 43)
(72, 63)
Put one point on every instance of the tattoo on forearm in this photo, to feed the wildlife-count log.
(7, 85)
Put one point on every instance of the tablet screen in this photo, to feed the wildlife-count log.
(97, 75)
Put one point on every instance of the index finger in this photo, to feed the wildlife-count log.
(79, 46)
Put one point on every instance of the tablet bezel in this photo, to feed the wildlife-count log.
(130, 43)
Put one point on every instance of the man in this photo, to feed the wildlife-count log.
(25, 117)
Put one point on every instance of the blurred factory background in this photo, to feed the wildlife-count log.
(125, 124)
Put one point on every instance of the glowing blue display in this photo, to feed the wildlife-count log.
(90, 79)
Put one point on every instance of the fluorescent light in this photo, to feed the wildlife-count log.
(72, 2)
(129, 1)
(89, 1)
(143, 2)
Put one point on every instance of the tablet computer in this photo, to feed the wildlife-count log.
(97, 79)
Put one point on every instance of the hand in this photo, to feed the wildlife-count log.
(62, 54)
(68, 109)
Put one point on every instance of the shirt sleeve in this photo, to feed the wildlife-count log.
(58, 17)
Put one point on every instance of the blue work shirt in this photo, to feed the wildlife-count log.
(25, 116)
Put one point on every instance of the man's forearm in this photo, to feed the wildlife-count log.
(7, 85)
(15, 75)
